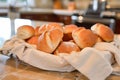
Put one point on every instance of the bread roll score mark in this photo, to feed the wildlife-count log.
(49, 40)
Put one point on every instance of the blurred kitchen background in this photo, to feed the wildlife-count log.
(80, 4)
(80, 12)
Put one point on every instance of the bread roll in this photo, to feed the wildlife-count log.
(33, 40)
(25, 32)
(84, 37)
(103, 31)
(50, 26)
(68, 29)
(99, 39)
(49, 40)
(66, 47)
(37, 31)
(56, 25)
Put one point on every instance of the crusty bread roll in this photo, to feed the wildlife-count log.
(49, 40)
(37, 31)
(42, 29)
(99, 39)
(84, 37)
(33, 40)
(66, 47)
(56, 25)
(50, 26)
(25, 32)
(68, 29)
(103, 31)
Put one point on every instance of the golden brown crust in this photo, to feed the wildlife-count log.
(68, 29)
(49, 40)
(99, 39)
(43, 44)
(103, 31)
(25, 32)
(54, 25)
(66, 47)
(50, 26)
(84, 38)
(33, 40)
(42, 29)
(56, 36)
(37, 31)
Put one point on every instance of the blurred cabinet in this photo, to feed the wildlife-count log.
(66, 19)
(3, 14)
(51, 17)
(117, 27)
(37, 16)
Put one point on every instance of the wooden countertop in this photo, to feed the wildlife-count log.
(13, 69)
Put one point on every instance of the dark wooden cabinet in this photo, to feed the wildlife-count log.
(41, 16)
(117, 27)
(66, 19)
(3, 14)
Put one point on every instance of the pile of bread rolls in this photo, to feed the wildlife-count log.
(54, 38)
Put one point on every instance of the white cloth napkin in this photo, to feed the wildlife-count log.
(96, 62)
(10, 44)
(41, 59)
(103, 46)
